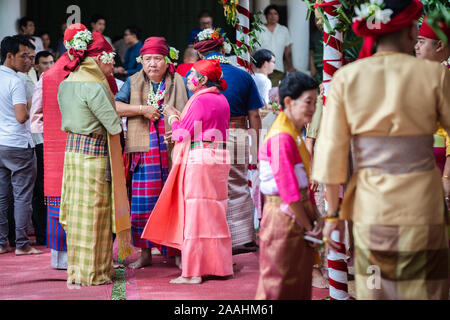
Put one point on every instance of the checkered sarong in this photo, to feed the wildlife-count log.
(401, 262)
(86, 211)
(149, 173)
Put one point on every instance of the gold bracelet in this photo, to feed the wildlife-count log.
(447, 177)
(173, 116)
(140, 109)
(331, 219)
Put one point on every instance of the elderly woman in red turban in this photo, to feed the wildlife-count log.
(191, 213)
(142, 99)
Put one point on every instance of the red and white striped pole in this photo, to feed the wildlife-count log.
(332, 60)
(242, 38)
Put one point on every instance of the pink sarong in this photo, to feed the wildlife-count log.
(190, 214)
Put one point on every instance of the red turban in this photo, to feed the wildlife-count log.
(402, 20)
(207, 45)
(94, 49)
(427, 31)
(157, 45)
(211, 68)
(72, 30)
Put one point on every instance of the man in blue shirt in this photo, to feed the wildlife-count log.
(130, 65)
(205, 20)
(245, 102)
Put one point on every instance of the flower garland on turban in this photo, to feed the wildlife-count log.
(209, 39)
(81, 43)
(158, 45)
(363, 24)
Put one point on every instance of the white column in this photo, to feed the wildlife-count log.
(10, 12)
(299, 29)
(260, 5)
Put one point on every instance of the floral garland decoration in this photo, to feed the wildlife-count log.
(214, 34)
(107, 58)
(155, 99)
(221, 59)
(230, 11)
(80, 41)
(375, 9)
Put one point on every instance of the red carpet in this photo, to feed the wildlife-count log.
(32, 278)
(152, 283)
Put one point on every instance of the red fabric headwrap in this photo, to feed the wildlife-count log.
(95, 48)
(72, 30)
(207, 45)
(427, 32)
(212, 69)
(400, 21)
(155, 45)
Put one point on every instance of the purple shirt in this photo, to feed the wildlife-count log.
(208, 118)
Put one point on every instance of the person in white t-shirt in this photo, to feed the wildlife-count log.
(17, 158)
(263, 65)
(277, 39)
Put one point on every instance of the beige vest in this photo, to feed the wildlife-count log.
(138, 139)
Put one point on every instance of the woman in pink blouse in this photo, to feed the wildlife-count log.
(190, 214)
(286, 259)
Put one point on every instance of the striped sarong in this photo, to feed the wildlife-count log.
(285, 260)
(56, 236)
(149, 173)
(401, 262)
(86, 211)
(240, 203)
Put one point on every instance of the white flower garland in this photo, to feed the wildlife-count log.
(80, 41)
(205, 34)
(107, 58)
(374, 8)
(222, 59)
(154, 98)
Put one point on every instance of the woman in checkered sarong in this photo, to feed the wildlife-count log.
(88, 116)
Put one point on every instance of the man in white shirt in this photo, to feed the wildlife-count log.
(277, 39)
(17, 158)
(98, 23)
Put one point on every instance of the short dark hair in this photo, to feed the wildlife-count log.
(42, 54)
(134, 30)
(294, 84)
(261, 56)
(11, 44)
(24, 21)
(270, 7)
(205, 14)
(30, 42)
(96, 17)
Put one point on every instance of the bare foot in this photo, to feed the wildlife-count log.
(144, 260)
(28, 251)
(318, 281)
(182, 280)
